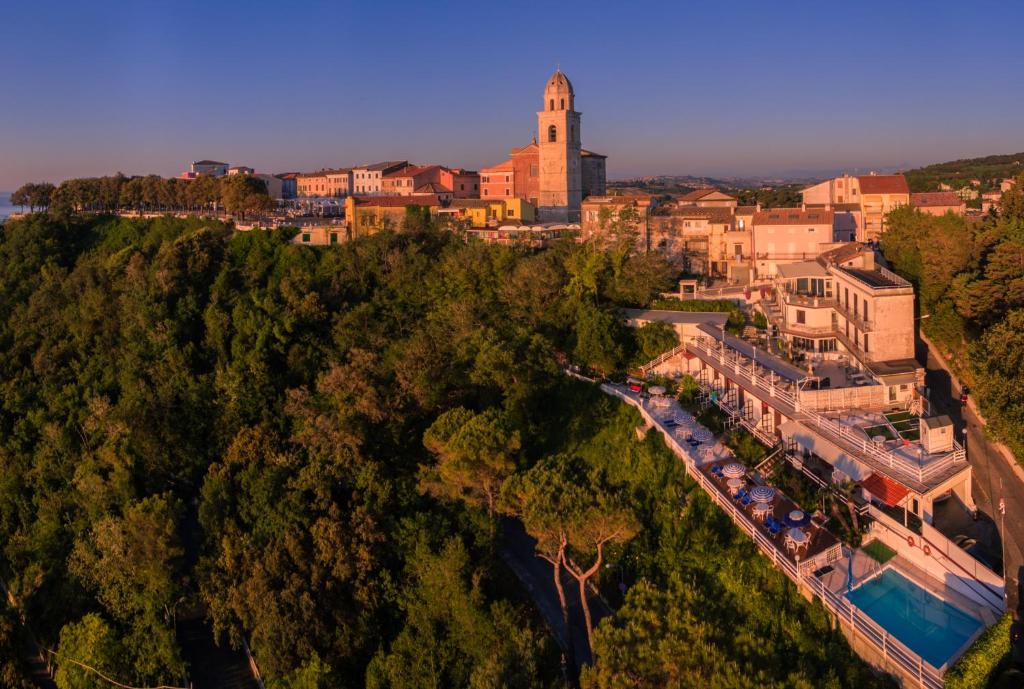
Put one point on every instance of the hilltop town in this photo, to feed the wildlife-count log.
(395, 342)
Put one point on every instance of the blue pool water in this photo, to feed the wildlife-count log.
(928, 625)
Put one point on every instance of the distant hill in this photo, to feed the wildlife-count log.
(959, 173)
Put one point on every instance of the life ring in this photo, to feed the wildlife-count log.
(927, 550)
(910, 541)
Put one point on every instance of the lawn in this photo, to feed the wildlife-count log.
(914, 434)
(900, 416)
(879, 551)
(879, 430)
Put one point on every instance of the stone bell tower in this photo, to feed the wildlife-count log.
(558, 137)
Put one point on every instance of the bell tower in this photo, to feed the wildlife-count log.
(558, 137)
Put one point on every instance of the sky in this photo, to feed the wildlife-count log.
(703, 88)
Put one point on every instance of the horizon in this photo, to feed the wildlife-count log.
(146, 90)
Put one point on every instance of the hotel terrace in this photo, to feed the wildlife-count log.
(833, 389)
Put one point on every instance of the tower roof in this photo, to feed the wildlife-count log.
(559, 84)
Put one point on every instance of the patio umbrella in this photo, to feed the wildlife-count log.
(762, 494)
(703, 435)
(797, 536)
(798, 518)
(656, 390)
(734, 470)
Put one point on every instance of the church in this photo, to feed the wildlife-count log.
(554, 172)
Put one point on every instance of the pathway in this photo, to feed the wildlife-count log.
(517, 551)
(996, 473)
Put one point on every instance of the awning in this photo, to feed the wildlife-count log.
(898, 379)
(885, 489)
(830, 452)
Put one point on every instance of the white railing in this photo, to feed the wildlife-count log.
(743, 367)
(913, 665)
(662, 358)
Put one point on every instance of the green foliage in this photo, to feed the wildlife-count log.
(747, 448)
(958, 173)
(653, 339)
(970, 278)
(987, 657)
(452, 638)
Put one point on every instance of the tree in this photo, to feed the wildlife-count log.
(475, 454)
(653, 339)
(602, 516)
(93, 643)
(542, 499)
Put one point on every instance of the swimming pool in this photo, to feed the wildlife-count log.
(926, 624)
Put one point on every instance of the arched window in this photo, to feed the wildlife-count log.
(563, 104)
(551, 104)
(552, 133)
(572, 132)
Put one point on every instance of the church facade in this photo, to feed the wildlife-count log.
(554, 172)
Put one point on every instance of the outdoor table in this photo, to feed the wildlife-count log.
(798, 537)
(761, 509)
(703, 435)
(734, 485)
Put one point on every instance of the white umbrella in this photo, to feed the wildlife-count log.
(763, 494)
(656, 390)
(703, 435)
(734, 470)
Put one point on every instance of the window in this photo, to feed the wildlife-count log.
(334, 237)
(847, 291)
(506, 191)
(305, 237)
(511, 212)
(892, 393)
(866, 343)
(865, 310)
(551, 104)
(801, 316)
(563, 104)
(462, 187)
(485, 192)
(506, 179)
(552, 134)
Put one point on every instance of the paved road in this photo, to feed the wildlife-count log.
(212, 666)
(994, 477)
(535, 574)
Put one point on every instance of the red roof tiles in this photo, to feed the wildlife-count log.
(883, 184)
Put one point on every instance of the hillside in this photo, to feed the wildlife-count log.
(958, 173)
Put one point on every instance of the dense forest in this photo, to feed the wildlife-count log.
(969, 276)
(315, 449)
(959, 173)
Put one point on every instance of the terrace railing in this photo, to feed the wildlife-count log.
(743, 367)
(910, 663)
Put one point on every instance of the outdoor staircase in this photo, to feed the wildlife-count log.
(769, 463)
(661, 358)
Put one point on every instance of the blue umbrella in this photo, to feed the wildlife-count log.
(798, 518)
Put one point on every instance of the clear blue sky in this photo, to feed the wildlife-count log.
(665, 87)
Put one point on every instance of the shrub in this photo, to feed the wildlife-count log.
(984, 660)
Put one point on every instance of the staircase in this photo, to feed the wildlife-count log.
(769, 463)
(661, 358)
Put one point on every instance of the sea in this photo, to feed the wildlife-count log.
(5, 205)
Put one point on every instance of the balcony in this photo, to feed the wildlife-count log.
(864, 324)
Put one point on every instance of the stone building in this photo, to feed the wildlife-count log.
(554, 172)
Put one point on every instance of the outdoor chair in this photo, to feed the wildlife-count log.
(746, 500)
(740, 494)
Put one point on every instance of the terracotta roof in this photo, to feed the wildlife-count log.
(412, 170)
(841, 253)
(794, 216)
(431, 188)
(376, 167)
(397, 201)
(935, 198)
(745, 210)
(697, 194)
(885, 489)
(503, 166)
(883, 184)
(531, 147)
(714, 214)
